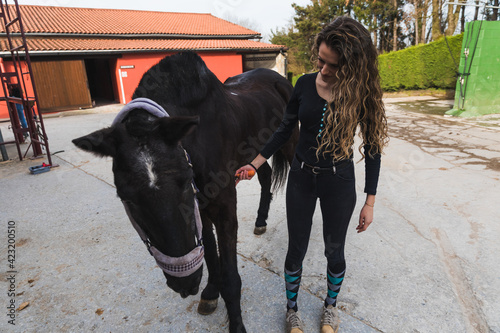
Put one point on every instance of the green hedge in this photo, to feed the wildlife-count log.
(295, 78)
(422, 66)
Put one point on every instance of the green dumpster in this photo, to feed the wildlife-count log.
(478, 86)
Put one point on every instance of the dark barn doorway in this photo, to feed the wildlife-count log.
(100, 83)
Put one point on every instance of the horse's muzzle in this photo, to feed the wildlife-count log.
(185, 286)
(186, 293)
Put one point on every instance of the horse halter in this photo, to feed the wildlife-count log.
(174, 266)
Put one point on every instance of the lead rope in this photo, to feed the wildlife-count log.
(197, 216)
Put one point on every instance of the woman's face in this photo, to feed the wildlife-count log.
(328, 63)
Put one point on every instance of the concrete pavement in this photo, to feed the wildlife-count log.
(428, 263)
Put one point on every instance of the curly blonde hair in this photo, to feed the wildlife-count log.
(356, 94)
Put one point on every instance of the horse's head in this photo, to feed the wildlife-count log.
(153, 178)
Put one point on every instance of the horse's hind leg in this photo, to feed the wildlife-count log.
(264, 173)
(210, 295)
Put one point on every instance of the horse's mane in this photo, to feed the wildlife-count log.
(182, 79)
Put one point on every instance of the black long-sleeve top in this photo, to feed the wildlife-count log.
(307, 106)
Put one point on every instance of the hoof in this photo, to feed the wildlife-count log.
(207, 307)
(259, 230)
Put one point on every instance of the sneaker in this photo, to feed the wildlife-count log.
(293, 322)
(330, 320)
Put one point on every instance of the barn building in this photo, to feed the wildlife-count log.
(83, 56)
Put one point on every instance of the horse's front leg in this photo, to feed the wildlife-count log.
(210, 295)
(227, 232)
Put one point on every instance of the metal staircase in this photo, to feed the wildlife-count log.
(18, 80)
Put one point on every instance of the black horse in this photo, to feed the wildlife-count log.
(213, 129)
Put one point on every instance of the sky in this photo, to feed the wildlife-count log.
(259, 15)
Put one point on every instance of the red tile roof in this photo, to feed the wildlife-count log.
(52, 29)
(121, 44)
(68, 20)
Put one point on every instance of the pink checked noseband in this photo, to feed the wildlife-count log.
(173, 266)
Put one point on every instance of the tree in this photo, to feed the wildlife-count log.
(447, 25)
(491, 14)
(418, 14)
(287, 36)
(453, 15)
(436, 19)
(476, 11)
(423, 12)
(383, 19)
(395, 23)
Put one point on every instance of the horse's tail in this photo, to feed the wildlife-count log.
(280, 169)
(283, 157)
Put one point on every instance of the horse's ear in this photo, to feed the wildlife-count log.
(173, 129)
(101, 143)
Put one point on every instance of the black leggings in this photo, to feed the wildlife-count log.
(337, 195)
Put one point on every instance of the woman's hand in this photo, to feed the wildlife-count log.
(249, 170)
(365, 218)
(245, 172)
(366, 214)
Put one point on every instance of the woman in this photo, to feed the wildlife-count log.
(16, 92)
(330, 105)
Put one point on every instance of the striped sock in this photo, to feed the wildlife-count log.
(334, 283)
(292, 280)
